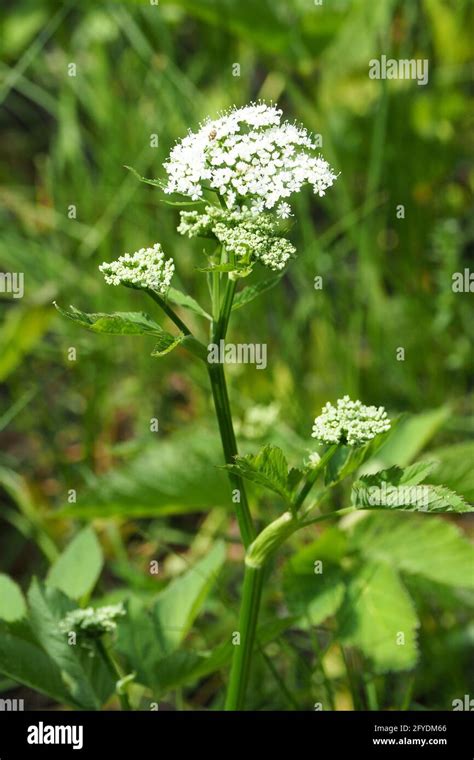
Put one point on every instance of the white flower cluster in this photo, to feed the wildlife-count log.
(91, 623)
(248, 154)
(147, 268)
(247, 236)
(258, 420)
(350, 422)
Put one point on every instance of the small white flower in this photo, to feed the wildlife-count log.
(90, 623)
(248, 236)
(248, 153)
(314, 459)
(350, 422)
(146, 268)
(284, 210)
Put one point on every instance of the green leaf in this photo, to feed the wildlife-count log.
(253, 291)
(159, 183)
(411, 436)
(155, 483)
(378, 617)
(178, 605)
(23, 660)
(313, 597)
(78, 568)
(12, 603)
(396, 488)
(268, 468)
(182, 299)
(21, 330)
(118, 323)
(137, 643)
(347, 459)
(433, 548)
(86, 678)
(166, 344)
(155, 182)
(454, 468)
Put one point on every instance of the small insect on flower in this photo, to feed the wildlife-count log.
(350, 422)
(146, 268)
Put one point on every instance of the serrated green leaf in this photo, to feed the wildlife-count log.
(398, 488)
(295, 477)
(77, 569)
(248, 294)
(431, 547)
(118, 323)
(268, 468)
(313, 597)
(377, 616)
(183, 299)
(12, 603)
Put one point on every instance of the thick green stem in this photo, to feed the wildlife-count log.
(252, 587)
(222, 406)
(242, 658)
(224, 316)
(258, 555)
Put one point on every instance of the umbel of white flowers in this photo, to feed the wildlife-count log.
(146, 268)
(350, 422)
(249, 156)
(249, 237)
(91, 623)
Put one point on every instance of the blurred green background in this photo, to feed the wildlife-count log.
(144, 71)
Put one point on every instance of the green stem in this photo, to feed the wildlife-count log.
(229, 445)
(313, 476)
(241, 660)
(190, 342)
(371, 693)
(224, 316)
(252, 586)
(222, 405)
(114, 671)
(258, 554)
(168, 311)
